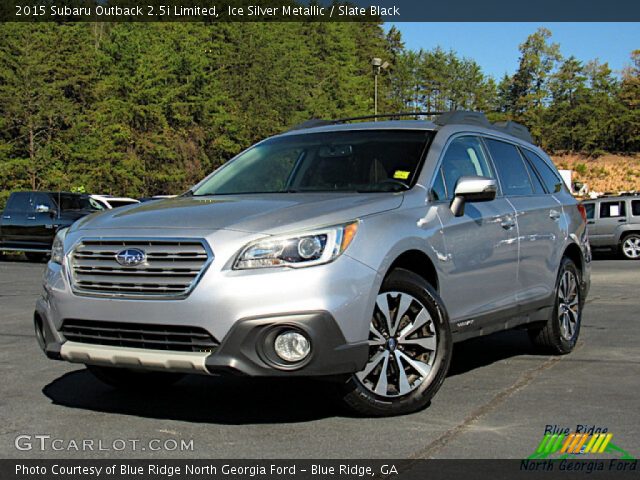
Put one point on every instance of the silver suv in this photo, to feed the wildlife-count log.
(614, 223)
(354, 251)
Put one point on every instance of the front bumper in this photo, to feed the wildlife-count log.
(246, 350)
(330, 303)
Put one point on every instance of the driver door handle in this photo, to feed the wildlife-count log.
(554, 214)
(6, 217)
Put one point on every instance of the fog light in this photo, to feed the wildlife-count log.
(292, 346)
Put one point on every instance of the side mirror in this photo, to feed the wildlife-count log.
(472, 189)
(43, 209)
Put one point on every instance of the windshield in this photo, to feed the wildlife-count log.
(349, 161)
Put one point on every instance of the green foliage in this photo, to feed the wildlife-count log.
(140, 109)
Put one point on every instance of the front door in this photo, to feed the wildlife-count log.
(481, 245)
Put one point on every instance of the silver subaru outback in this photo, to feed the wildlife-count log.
(358, 252)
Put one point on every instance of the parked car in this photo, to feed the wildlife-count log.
(353, 251)
(30, 220)
(614, 223)
(109, 201)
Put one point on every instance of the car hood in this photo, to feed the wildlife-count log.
(272, 213)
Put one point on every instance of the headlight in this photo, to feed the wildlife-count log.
(301, 250)
(57, 250)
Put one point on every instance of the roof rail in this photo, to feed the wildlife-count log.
(318, 122)
(514, 129)
(389, 115)
(454, 117)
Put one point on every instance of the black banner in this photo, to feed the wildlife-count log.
(323, 10)
(315, 469)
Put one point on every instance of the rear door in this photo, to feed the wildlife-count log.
(481, 246)
(612, 214)
(539, 221)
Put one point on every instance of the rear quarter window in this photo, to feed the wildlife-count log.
(635, 208)
(552, 180)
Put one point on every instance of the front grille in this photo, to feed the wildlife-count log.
(170, 269)
(139, 335)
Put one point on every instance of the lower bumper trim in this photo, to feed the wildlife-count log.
(188, 362)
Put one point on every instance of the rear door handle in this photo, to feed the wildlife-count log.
(6, 217)
(31, 218)
(508, 223)
(591, 222)
(554, 214)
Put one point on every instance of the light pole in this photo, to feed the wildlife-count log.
(378, 66)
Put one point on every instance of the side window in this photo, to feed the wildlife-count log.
(635, 208)
(464, 157)
(551, 179)
(612, 209)
(19, 202)
(511, 169)
(538, 189)
(590, 208)
(42, 199)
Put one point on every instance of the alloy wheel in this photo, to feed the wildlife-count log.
(402, 346)
(631, 247)
(568, 305)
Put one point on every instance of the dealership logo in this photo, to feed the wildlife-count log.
(569, 445)
(131, 257)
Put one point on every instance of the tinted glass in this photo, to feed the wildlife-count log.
(590, 208)
(348, 161)
(120, 203)
(635, 208)
(69, 201)
(511, 169)
(538, 189)
(464, 157)
(612, 209)
(42, 199)
(551, 179)
(19, 202)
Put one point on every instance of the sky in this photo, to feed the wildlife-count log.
(494, 46)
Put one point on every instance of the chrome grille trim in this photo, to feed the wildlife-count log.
(171, 270)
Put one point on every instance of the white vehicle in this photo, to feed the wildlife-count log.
(109, 202)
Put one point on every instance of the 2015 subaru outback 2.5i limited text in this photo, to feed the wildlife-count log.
(356, 251)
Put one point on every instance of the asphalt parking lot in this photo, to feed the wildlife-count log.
(495, 403)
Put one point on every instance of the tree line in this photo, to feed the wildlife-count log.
(149, 108)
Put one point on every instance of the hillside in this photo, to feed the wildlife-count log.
(608, 173)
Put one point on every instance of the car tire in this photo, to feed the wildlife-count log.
(127, 379)
(560, 334)
(408, 356)
(630, 246)
(36, 257)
